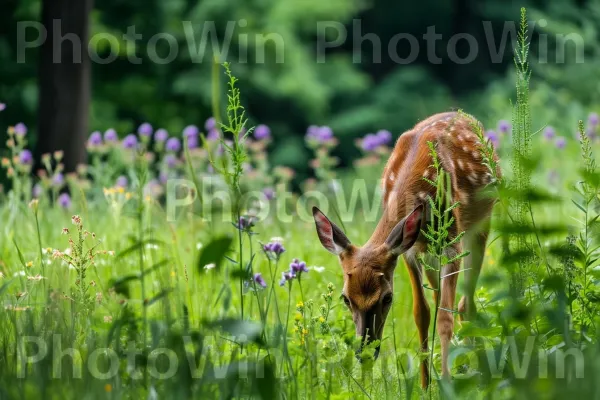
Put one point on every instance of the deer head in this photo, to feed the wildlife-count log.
(368, 270)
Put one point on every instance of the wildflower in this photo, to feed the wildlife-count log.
(161, 135)
(110, 136)
(245, 223)
(64, 200)
(503, 126)
(300, 307)
(20, 129)
(319, 133)
(25, 157)
(190, 131)
(492, 136)
(36, 278)
(298, 267)
(122, 182)
(58, 179)
(560, 142)
(170, 160)
(65, 231)
(269, 193)
(209, 266)
(29, 264)
(108, 319)
(76, 220)
(274, 248)
(192, 142)
(163, 177)
(34, 204)
(2, 106)
(130, 142)
(5, 162)
(549, 133)
(173, 144)
(58, 155)
(262, 132)
(99, 297)
(145, 129)
(37, 190)
(370, 142)
(286, 276)
(210, 124)
(111, 252)
(385, 136)
(94, 140)
(213, 135)
(593, 119)
(259, 280)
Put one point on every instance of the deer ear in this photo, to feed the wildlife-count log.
(406, 232)
(331, 237)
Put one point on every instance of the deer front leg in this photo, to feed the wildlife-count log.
(420, 312)
(445, 319)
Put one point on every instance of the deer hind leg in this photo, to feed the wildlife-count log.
(474, 241)
(420, 312)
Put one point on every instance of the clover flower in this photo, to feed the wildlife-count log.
(192, 142)
(20, 129)
(259, 280)
(173, 144)
(262, 132)
(110, 136)
(190, 130)
(161, 135)
(145, 129)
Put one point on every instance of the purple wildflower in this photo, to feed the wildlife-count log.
(269, 193)
(286, 276)
(245, 223)
(64, 201)
(122, 181)
(385, 137)
(262, 132)
(161, 135)
(110, 136)
(170, 160)
(370, 142)
(173, 144)
(213, 134)
(298, 267)
(319, 133)
(274, 249)
(20, 129)
(130, 141)
(190, 131)
(560, 142)
(163, 177)
(58, 179)
(2, 106)
(95, 139)
(549, 133)
(504, 126)
(210, 124)
(25, 157)
(145, 129)
(192, 142)
(259, 280)
(493, 137)
(593, 119)
(37, 191)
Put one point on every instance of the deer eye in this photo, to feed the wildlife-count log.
(346, 301)
(387, 299)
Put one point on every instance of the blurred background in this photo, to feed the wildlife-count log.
(60, 104)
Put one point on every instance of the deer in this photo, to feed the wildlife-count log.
(368, 270)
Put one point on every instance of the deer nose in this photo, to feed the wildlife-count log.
(365, 330)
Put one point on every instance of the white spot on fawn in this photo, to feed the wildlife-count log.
(391, 177)
(476, 155)
(461, 164)
(473, 178)
(426, 173)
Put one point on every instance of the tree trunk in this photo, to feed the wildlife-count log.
(64, 80)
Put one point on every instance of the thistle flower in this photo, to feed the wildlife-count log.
(173, 144)
(560, 142)
(210, 124)
(110, 136)
(190, 130)
(161, 135)
(192, 142)
(259, 280)
(385, 136)
(145, 129)
(320, 134)
(503, 126)
(64, 200)
(130, 142)
(549, 133)
(297, 267)
(370, 142)
(25, 157)
(20, 129)
(262, 132)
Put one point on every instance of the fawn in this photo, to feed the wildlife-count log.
(368, 270)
